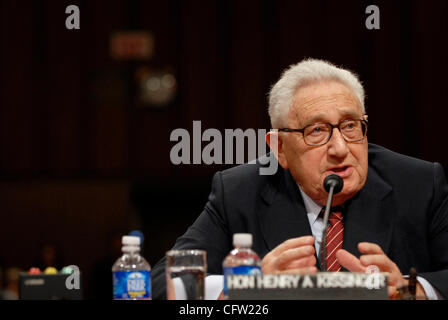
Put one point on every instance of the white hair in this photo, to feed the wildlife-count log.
(281, 96)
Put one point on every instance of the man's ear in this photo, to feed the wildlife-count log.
(274, 140)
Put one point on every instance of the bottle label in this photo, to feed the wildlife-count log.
(132, 284)
(249, 270)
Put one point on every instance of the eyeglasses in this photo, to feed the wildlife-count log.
(318, 134)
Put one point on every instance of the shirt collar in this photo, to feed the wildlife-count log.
(312, 208)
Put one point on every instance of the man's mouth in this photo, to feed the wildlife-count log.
(343, 171)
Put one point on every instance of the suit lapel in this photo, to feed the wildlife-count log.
(369, 216)
(282, 215)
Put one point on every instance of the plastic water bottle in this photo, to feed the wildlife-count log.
(241, 260)
(131, 272)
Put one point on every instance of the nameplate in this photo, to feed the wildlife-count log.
(318, 286)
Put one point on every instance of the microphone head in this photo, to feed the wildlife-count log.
(333, 180)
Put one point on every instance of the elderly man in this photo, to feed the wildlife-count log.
(393, 209)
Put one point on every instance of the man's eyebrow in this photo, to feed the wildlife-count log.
(320, 117)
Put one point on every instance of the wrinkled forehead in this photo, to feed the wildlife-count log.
(324, 101)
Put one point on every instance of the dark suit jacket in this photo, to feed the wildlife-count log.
(403, 207)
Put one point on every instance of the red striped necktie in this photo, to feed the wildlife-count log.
(335, 235)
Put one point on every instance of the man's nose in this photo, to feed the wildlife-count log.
(337, 146)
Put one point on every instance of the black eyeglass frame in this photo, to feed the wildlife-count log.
(302, 131)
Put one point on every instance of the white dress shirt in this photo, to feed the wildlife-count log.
(313, 209)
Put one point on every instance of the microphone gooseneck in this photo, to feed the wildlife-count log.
(333, 184)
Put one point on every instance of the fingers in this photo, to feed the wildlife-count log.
(379, 260)
(306, 270)
(391, 290)
(349, 261)
(301, 263)
(374, 255)
(370, 248)
(385, 265)
(293, 255)
(293, 243)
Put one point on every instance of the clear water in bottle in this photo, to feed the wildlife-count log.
(131, 273)
(242, 259)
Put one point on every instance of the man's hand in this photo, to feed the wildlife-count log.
(292, 256)
(374, 255)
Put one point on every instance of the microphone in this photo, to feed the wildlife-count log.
(333, 180)
(333, 184)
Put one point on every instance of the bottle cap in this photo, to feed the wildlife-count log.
(34, 270)
(67, 270)
(130, 248)
(138, 233)
(130, 241)
(51, 270)
(242, 239)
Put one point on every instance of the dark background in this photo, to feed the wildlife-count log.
(81, 163)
